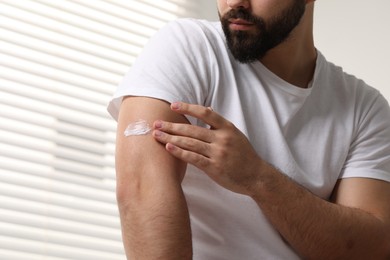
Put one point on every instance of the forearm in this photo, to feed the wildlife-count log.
(155, 224)
(315, 228)
(318, 229)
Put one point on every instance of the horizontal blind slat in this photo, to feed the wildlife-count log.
(67, 201)
(46, 47)
(111, 18)
(58, 163)
(16, 130)
(54, 74)
(102, 8)
(58, 212)
(18, 255)
(48, 172)
(59, 64)
(49, 97)
(64, 114)
(14, 77)
(54, 250)
(165, 14)
(179, 7)
(75, 241)
(58, 225)
(57, 187)
(11, 114)
(63, 40)
(73, 26)
(81, 155)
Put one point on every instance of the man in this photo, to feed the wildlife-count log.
(271, 153)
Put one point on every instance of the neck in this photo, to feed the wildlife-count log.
(295, 59)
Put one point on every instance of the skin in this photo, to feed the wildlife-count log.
(152, 207)
(355, 224)
(293, 60)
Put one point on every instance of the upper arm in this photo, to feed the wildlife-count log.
(141, 161)
(370, 195)
(368, 160)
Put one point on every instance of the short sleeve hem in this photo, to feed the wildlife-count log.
(370, 174)
(114, 104)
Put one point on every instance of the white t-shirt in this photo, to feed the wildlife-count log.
(337, 128)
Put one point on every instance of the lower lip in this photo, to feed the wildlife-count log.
(240, 27)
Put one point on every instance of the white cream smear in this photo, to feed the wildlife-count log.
(139, 127)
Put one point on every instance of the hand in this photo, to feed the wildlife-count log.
(222, 152)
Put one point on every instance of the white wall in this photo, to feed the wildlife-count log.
(209, 10)
(354, 34)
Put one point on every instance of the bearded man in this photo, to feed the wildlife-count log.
(252, 145)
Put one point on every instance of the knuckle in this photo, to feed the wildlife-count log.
(205, 112)
(206, 148)
(221, 153)
(218, 169)
(225, 139)
(230, 125)
(167, 126)
(166, 138)
(189, 144)
(201, 162)
(181, 128)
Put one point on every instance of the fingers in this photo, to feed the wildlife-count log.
(185, 144)
(191, 131)
(193, 158)
(206, 114)
(192, 144)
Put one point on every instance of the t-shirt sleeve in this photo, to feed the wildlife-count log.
(174, 66)
(369, 154)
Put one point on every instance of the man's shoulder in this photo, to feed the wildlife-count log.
(345, 90)
(341, 80)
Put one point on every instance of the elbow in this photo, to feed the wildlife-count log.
(128, 189)
(135, 189)
(122, 195)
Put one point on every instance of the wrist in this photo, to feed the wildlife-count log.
(268, 181)
(259, 183)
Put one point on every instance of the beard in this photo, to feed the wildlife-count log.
(249, 46)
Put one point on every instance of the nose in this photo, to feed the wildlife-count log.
(238, 4)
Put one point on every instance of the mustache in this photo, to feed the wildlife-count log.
(244, 15)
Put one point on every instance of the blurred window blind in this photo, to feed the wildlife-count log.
(60, 61)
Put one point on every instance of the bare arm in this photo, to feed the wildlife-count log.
(153, 210)
(355, 225)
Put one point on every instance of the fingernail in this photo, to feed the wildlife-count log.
(175, 105)
(170, 147)
(158, 124)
